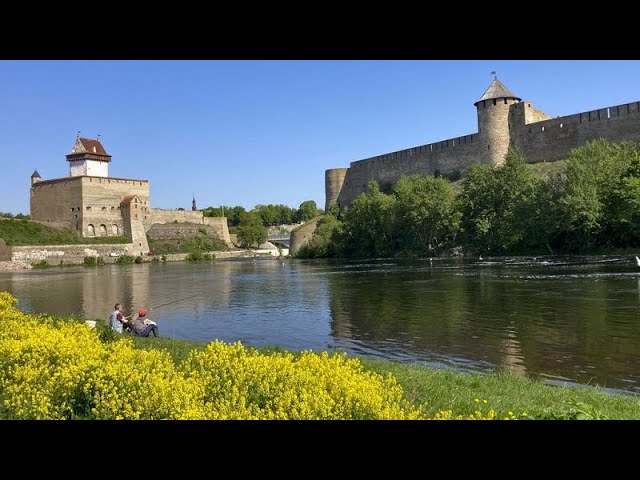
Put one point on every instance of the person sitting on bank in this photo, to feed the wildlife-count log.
(143, 326)
(117, 321)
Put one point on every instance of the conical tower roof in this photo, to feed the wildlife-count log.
(35, 174)
(497, 90)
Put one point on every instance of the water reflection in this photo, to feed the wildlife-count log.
(563, 319)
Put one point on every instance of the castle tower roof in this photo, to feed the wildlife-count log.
(35, 174)
(496, 90)
(88, 148)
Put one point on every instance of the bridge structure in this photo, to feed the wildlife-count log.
(279, 239)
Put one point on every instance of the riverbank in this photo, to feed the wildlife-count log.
(62, 368)
(19, 265)
(14, 266)
(439, 390)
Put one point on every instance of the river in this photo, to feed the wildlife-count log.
(570, 320)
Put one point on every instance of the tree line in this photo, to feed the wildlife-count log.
(250, 226)
(592, 204)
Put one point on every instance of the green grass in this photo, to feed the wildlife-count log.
(178, 349)
(546, 169)
(198, 244)
(25, 232)
(447, 390)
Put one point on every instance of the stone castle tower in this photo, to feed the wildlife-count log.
(94, 204)
(88, 157)
(493, 121)
(91, 202)
(504, 120)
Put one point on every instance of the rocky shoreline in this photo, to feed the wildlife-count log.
(14, 266)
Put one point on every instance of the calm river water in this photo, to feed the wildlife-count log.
(572, 319)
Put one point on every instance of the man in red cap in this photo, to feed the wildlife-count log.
(143, 326)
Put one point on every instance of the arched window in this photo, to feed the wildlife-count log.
(103, 230)
(114, 229)
(91, 231)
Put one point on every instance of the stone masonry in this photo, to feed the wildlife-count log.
(94, 204)
(503, 120)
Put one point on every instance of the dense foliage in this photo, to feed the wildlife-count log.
(268, 215)
(18, 216)
(592, 204)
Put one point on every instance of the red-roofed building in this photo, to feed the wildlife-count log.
(95, 204)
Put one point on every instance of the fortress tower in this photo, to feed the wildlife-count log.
(88, 157)
(493, 122)
(333, 181)
(35, 177)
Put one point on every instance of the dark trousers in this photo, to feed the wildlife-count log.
(145, 333)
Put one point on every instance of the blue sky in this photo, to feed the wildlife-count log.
(250, 132)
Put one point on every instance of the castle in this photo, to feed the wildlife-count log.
(503, 120)
(97, 205)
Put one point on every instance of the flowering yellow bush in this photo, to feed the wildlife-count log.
(53, 369)
(241, 383)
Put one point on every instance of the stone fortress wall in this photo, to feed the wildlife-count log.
(86, 204)
(551, 139)
(503, 120)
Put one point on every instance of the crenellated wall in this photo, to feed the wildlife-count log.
(552, 139)
(448, 156)
(501, 123)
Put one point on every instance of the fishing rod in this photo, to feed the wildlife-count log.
(175, 301)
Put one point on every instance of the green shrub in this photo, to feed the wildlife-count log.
(195, 257)
(100, 261)
(90, 261)
(41, 264)
(139, 259)
(125, 259)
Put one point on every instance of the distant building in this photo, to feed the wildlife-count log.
(95, 204)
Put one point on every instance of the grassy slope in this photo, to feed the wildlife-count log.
(201, 243)
(25, 232)
(446, 390)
